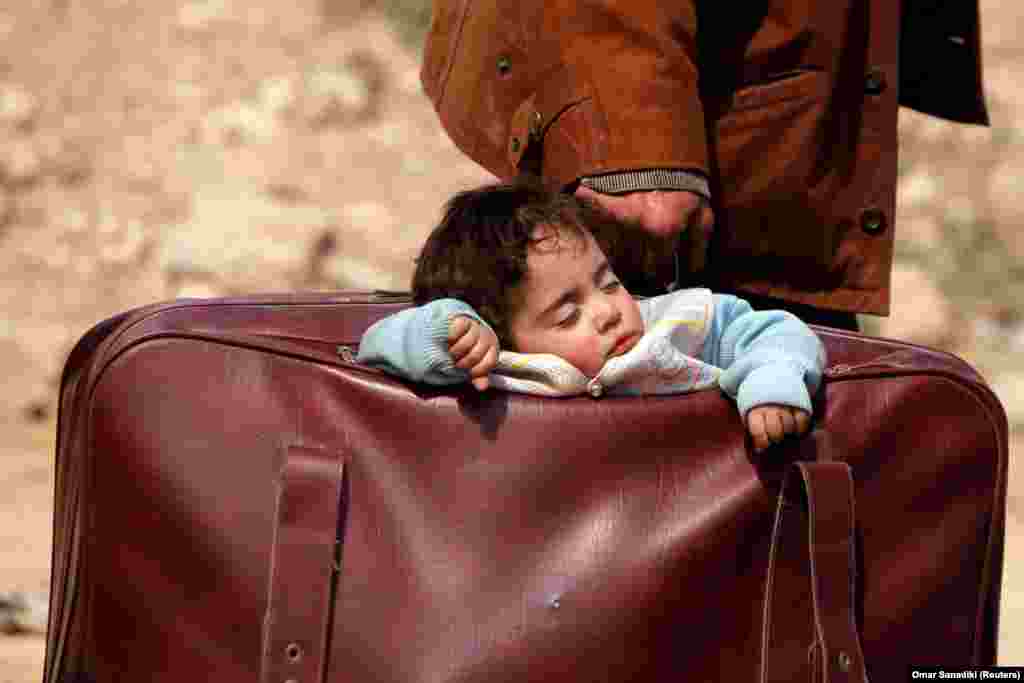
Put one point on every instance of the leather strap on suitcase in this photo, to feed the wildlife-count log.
(821, 493)
(302, 567)
(826, 492)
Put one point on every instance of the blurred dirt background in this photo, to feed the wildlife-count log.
(211, 147)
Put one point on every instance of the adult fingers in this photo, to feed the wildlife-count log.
(668, 213)
(661, 213)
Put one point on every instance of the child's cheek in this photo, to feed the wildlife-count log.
(590, 356)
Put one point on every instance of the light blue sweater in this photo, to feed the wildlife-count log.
(766, 356)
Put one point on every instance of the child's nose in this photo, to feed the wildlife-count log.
(608, 317)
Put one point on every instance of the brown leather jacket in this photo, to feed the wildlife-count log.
(788, 106)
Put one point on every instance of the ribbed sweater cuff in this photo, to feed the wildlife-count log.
(648, 179)
(435, 354)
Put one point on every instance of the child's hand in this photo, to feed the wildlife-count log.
(771, 423)
(474, 347)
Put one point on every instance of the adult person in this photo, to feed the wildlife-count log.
(762, 133)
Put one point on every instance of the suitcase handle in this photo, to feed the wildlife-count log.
(295, 629)
(828, 489)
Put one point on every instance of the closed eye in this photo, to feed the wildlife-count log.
(570, 319)
(612, 286)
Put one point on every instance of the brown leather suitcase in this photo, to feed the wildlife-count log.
(237, 501)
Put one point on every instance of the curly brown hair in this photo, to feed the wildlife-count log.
(477, 253)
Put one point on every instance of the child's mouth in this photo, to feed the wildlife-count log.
(623, 345)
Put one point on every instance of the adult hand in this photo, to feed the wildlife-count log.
(673, 218)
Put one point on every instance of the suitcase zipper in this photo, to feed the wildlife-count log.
(841, 369)
(837, 370)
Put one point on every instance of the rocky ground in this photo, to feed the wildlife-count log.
(228, 146)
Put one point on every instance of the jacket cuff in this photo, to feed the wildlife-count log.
(621, 182)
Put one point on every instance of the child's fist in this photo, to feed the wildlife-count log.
(772, 423)
(474, 347)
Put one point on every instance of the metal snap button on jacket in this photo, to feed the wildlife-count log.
(874, 82)
(595, 388)
(535, 120)
(872, 221)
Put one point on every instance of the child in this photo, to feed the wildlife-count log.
(514, 290)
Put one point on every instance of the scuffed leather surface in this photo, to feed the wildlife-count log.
(496, 537)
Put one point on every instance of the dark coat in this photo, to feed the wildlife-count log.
(789, 106)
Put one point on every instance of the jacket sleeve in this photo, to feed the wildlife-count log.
(413, 344)
(766, 356)
(604, 86)
(640, 59)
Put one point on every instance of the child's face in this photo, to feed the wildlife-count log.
(572, 305)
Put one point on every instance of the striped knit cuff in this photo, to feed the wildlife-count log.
(621, 182)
